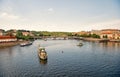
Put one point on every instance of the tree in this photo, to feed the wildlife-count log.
(19, 35)
(95, 36)
(105, 36)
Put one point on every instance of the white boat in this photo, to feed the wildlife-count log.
(25, 43)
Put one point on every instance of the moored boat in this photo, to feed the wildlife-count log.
(42, 53)
(25, 43)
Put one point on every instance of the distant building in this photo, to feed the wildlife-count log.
(7, 39)
(31, 34)
(25, 33)
(97, 32)
(11, 32)
(14, 33)
(110, 33)
(117, 36)
(1, 32)
(83, 33)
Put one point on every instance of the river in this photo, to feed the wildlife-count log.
(65, 59)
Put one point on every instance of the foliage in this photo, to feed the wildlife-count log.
(20, 36)
(95, 36)
(42, 34)
(105, 36)
(90, 35)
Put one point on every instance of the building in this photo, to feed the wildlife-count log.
(12, 32)
(83, 33)
(31, 34)
(117, 36)
(110, 33)
(25, 33)
(7, 39)
(97, 32)
(1, 32)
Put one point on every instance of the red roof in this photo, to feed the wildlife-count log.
(7, 37)
(110, 30)
(106, 32)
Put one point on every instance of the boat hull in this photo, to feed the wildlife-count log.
(25, 44)
(42, 57)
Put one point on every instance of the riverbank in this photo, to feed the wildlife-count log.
(100, 40)
(91, 39)
(9, 44)
(96, 39)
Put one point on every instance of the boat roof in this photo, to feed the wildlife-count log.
(41, 48)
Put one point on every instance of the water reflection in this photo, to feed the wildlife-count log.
(109, 44)
(42, 62)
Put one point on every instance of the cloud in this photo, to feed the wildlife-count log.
(6, 15)
(113, 24)
(50, 10)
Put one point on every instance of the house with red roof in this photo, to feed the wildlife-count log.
(7, 39)
(110, 33)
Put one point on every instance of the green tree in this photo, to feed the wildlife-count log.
(95, 36)
(105, 36)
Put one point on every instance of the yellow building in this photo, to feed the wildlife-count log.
(110, 33)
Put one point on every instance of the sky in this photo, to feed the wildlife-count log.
(60, 15)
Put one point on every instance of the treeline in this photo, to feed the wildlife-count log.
(31, 34)
(19, 34)
(88, 35)
(55, 34)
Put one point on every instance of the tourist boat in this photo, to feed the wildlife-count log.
(25, 43)
(42, 53)
(80, 44)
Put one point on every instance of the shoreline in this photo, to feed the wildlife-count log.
(92, 39)
(9, 44)
(100, 40)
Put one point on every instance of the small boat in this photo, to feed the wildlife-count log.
(45, 39)
(25, 44)
(80, 44)
(42, 53)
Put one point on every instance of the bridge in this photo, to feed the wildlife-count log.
(58, 38)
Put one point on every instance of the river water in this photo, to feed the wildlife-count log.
(65, 59)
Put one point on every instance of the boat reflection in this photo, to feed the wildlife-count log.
(42, 62)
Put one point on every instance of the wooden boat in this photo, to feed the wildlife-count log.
(25, 44)
(42, 53)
